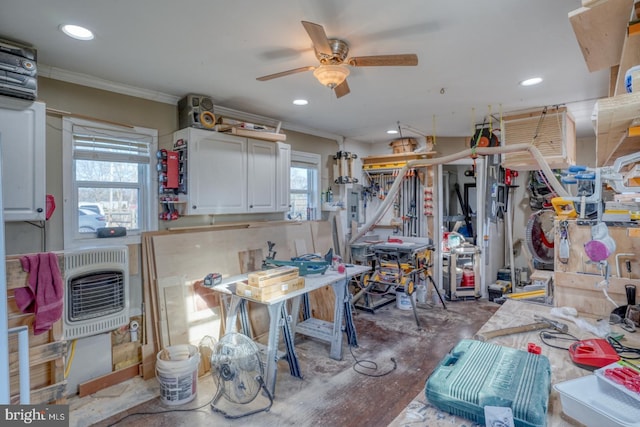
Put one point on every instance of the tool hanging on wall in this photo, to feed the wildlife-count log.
(564, 249)
(343, 169)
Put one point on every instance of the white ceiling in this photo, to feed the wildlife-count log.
(472, 54)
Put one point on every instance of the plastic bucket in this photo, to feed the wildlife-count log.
(421, 293)
(177, 373)
(403, 301)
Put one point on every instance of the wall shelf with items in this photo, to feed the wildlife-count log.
(172, 180)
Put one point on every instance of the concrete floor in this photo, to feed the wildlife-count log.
(331, 393)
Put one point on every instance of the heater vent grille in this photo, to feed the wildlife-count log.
(96, 292)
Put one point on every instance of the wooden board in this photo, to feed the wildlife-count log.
(188, 255)
(577, 282)
(600, 31)
(255, 134)
(614, 117)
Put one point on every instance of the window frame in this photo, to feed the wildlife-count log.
(147, 186)
(310, 161)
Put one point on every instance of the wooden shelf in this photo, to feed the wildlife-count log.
(600, 30)
(615, 116)
(608, 39)
(393, 161)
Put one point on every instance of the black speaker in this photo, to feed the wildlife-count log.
(196, 111)
(111, 232)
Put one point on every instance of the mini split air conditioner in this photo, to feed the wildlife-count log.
(96, 297)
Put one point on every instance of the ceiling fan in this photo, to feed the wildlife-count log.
(332, 54)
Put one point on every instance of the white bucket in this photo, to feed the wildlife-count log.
(403, 301)
(421, 293)
(177, 373)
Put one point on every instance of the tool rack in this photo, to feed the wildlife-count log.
(397, 266)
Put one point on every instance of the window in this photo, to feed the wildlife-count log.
(304, 183)
(108, 180)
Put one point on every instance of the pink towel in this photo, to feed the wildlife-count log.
(44, 295)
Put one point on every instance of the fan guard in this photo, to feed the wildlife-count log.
(539, 236)
(237, 371)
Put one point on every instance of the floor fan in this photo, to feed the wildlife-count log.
(238, 374)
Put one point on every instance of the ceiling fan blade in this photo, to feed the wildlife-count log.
(318, 37)
(342, 89)
(285, 73)
(384, 60)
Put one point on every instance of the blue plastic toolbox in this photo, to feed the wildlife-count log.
(476, 374)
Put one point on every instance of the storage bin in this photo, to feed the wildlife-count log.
(477, 374)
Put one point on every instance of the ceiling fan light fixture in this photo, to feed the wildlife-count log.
(331, 75)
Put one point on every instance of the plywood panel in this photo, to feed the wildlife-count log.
(600, 31)
(580, 283)
(189, 255)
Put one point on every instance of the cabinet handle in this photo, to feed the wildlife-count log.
(39, 210)
(194, 207)
(251, 206)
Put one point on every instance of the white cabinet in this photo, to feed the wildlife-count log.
(283, 176)
(22, 138)
(228, 174)
(261, 179)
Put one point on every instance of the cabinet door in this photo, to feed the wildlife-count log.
(262, 176)
(22, 139)
(283, 175)
(217, 173)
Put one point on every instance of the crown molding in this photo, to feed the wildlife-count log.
(97, 83)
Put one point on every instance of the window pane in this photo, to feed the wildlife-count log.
(118, 207)
(299, 203)
(299, 178)
(93, 170)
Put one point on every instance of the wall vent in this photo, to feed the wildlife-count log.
(96, 294)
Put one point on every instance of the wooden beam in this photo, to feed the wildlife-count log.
(104, 381)
(52, 393)
(40, 354)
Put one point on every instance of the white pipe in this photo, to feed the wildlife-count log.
(481, 151)
(23, 362)
(4, 317)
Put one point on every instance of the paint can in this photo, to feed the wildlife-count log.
(403, 301)
(177, 373)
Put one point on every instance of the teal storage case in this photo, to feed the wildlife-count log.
(476, 374)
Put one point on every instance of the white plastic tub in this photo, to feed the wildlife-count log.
(596, 404)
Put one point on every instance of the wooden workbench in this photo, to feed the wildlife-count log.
(421, 413)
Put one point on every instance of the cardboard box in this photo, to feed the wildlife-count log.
(271, 277)
(267, 293)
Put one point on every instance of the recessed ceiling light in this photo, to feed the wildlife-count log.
(77, 32)
(392, 131)
(531, 81)
(300, 102)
